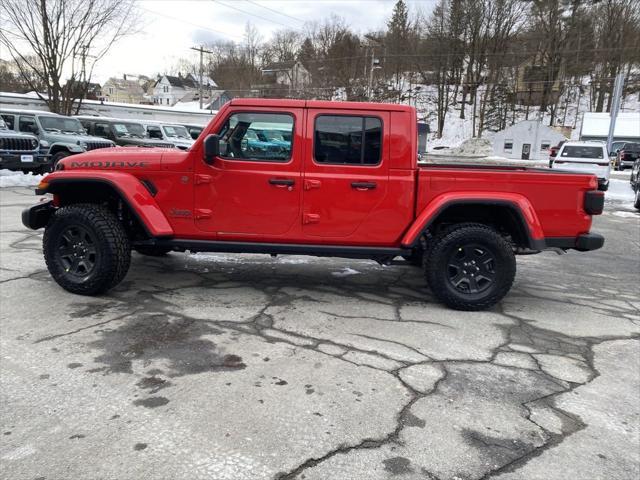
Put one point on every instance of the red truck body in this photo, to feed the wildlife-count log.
(180, 200)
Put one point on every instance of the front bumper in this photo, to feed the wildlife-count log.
(583, 243)
(16, 161)
(38, 216)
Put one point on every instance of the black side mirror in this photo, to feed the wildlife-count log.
(211, 148)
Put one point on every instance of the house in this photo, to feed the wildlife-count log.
(93, 90)
(526, 140)
(595, 126)
(283, 78)
(170, 89)
(127, 89)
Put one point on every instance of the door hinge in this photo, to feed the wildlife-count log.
(202, 213)
(200, 179)
(309, 184)
(310, 218)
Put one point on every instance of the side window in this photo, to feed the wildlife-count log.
(10, 121)
(257, 136)
(347, 140)
(508, 146)
(27, 124)
(154, 132)
(101, 130)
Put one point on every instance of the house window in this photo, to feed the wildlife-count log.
(167, 101)
(350, 140)
(257, 136)
(110, 91)
(545, 145)
(508, 146)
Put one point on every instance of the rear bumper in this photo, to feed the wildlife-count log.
(583, 243)
(37, 216)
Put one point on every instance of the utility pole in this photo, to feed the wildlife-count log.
(615, 107)
(200, 80)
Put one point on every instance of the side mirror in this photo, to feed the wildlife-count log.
(211, 148)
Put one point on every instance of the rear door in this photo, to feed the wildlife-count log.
(346, 174)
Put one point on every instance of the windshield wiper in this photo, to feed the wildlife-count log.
(51, 129)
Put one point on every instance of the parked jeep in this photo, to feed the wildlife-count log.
(178, 135)
(126, 133)
(349, 186)
(21, 151)
(59, 136)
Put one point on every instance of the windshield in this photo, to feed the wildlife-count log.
(575, 151)
(61, 124)
(129, 130)
(176, 131)
(3, 126)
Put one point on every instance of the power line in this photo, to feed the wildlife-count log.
(276, 11)
(255, 15)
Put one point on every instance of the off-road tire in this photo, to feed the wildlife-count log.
(57, 157)
(152, 250)
(108, 239)
(470, 235)
(636, 202)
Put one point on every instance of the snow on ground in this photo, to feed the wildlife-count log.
(9, 178)
(620, 191)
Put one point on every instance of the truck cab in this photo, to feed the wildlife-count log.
(342, 181)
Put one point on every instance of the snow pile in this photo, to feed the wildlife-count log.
(472, 147)
(9, 178)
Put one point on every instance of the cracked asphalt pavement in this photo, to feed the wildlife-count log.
(251, 367)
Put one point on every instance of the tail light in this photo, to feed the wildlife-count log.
(594, 202)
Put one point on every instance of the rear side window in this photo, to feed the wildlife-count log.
(578, 151)
(347, 140)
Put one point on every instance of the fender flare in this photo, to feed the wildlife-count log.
(70, 147)
(130, 189)
(518, 204)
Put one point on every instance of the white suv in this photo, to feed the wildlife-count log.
(586, 157)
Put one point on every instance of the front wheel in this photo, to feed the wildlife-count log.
(636, 202)
(470, 268)
(86, 249)
(56, 158)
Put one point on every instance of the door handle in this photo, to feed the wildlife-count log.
(363, 185)
(281, 182)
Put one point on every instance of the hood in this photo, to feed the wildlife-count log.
(121, 158)
(5, 132)
(72, 138)
(144, 141)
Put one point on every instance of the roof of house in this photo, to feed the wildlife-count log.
(189, 81)
(596, 124)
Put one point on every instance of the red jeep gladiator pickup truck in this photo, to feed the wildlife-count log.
(310, 177)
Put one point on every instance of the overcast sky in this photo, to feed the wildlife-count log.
(170, 27)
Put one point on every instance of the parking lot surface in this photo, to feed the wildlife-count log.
(250, 367)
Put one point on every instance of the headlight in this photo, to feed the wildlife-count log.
(34, 143)
(44, 144)
(83, 145)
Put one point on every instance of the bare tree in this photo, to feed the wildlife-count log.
(54, 40)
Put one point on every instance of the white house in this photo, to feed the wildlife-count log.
(595, 126)
(169, 89)
(526, 140)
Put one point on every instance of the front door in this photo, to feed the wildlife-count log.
(252, 191)
(346, 174)
(526, 151)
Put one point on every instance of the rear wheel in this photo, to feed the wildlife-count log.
(636, 203)
(86, 249)
(471, 267)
